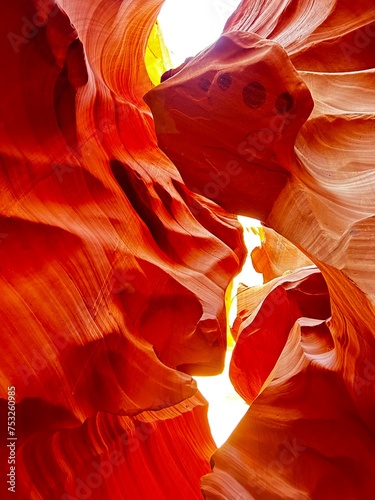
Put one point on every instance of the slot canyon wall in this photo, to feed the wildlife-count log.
(119, 239)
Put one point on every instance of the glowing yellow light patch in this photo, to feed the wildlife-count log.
(157, 57)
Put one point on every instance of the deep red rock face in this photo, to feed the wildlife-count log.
(304, 353)
(276, 255)
(229, 118)
(115, 258)
(112, 288)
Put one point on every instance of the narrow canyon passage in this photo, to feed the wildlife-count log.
(123, 176)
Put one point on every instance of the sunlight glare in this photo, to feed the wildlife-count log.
(189, 27)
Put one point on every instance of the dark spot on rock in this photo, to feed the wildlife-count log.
(166, 75)
(284, 102)
(204, 84)
(254, 94)
(224, 81)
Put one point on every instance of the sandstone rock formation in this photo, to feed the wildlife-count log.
(283, 113)
(116, 256)
(112, 289)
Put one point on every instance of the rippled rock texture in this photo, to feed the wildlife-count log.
(279, 113)
(113, 290)
(118, 244)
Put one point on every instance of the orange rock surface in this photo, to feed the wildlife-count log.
(112, 288)
(288, 101)
(118, 242)
(276, 255)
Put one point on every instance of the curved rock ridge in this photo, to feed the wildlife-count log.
(113, 273)
(228, 119)
(301, 440)
(267, 314)
(318, 35)
(276, 255)
(310, 379)
(303, 362)
(156, 454)
(114, 263)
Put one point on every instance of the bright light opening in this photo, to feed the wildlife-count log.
(226, 407)
(188, 27)
(192, 25)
